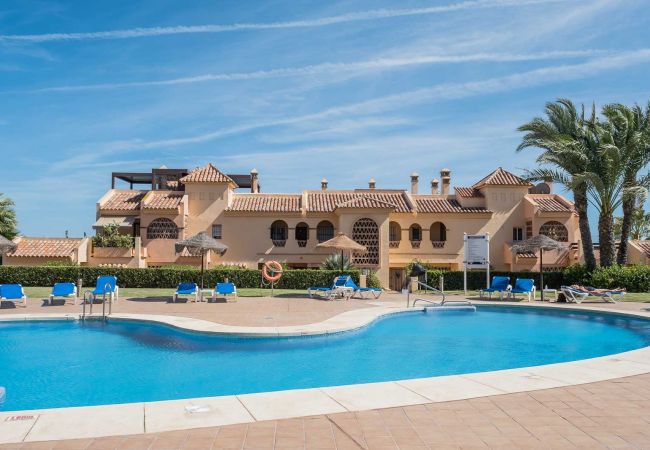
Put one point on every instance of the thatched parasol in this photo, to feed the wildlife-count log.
(343, 243)
(6, 245)
(541, 243)
(203, 243)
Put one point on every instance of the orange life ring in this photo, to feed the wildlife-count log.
(272, 267)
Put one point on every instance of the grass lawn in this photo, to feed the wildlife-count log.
(44, 292)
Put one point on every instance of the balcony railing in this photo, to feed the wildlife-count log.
(438, 244)
(302, 242)
(415, 244)
(279, 242)
(393, 244)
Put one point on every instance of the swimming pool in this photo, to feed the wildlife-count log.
(69, 363)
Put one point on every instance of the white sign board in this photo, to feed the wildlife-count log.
(477, 251)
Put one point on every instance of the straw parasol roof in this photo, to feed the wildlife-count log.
(203, 243)
(342, 242)
(6, 245)
(541, 243)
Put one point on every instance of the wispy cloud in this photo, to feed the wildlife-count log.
(380, 64)
(308, 23)
(439, 92)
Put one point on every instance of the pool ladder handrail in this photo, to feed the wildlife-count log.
(408, 296)
(88, 295)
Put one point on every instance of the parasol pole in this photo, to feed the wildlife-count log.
(202, 257)
(541, 271)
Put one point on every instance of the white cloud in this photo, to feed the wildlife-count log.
(373, 65)
(319, 22)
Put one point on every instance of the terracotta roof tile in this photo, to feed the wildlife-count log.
(266, 203)
(207, 174)
(45, 247)
(124, 200)
(441, 205)
(162, 200)
(365, 201)
(550, 203)
(325, 201)
(468, 192)
(501, 177)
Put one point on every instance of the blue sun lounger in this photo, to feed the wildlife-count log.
(499, 284)
(362, 291)
(64, 290)
(339, 287)
(186, 289)
(225, 290)
(13, 293)
(523, 286)
(106, 284)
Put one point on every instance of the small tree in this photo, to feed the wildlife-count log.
(109, 236)
(639, 225)
(333, 262)
(8, 221)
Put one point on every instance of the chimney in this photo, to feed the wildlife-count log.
(445, 176)
(323, 184)
(414, 183)
(371, 183)
(434, 186)
(254, 182)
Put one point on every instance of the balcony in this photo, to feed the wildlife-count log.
(438, 244)
(393, 244)
(415, 244)
(302, 242)
(279, 242)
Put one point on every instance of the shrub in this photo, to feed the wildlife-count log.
(632, 278)
(163, 277)
(109, 236)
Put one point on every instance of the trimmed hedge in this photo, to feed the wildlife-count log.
(632, 278)
(166, 277)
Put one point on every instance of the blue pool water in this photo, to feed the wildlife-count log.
(57, 364)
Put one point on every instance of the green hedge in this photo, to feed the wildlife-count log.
(166, 277)
(632, 278)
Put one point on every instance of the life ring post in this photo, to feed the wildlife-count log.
(272, 272)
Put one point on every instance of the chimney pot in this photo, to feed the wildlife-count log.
(445, 176)
(434, 186)
(254, 182)
(414, 183)
(371, 183)
(323, 184)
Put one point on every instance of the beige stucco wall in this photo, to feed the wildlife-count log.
(31, 261)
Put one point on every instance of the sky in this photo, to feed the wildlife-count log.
(299, 90)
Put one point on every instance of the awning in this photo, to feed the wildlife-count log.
(121, 221)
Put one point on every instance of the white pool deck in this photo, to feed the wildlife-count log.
(153, 417)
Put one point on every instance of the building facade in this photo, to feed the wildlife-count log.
(397, 226)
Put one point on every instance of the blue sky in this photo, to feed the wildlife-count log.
(300, 90)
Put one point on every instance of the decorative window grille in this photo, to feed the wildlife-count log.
(216, 231)
(366, 232)
(416, 232)
(302, 234)
(324, 231)
(394, 234)
(162, 229)
(555, 230)
(279, 233)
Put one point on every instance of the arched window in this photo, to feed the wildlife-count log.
(279, 233)
(438, 234)
(394, 234)
(302, 234)
(415, 235)
(555, 230)
(162, 228)
(324, 231)
(366, 232)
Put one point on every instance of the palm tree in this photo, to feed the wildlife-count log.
(8, 222)
(631, 134)
(563, 138)
(639, 228)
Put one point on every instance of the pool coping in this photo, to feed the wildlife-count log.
(169, 415)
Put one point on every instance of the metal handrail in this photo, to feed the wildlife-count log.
(87, 295)
(107, 287)
(408, 295)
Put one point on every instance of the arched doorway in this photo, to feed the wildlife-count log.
(366, 232)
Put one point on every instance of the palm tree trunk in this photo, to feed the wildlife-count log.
(626, 226)
(580, 202)
(606, 237)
